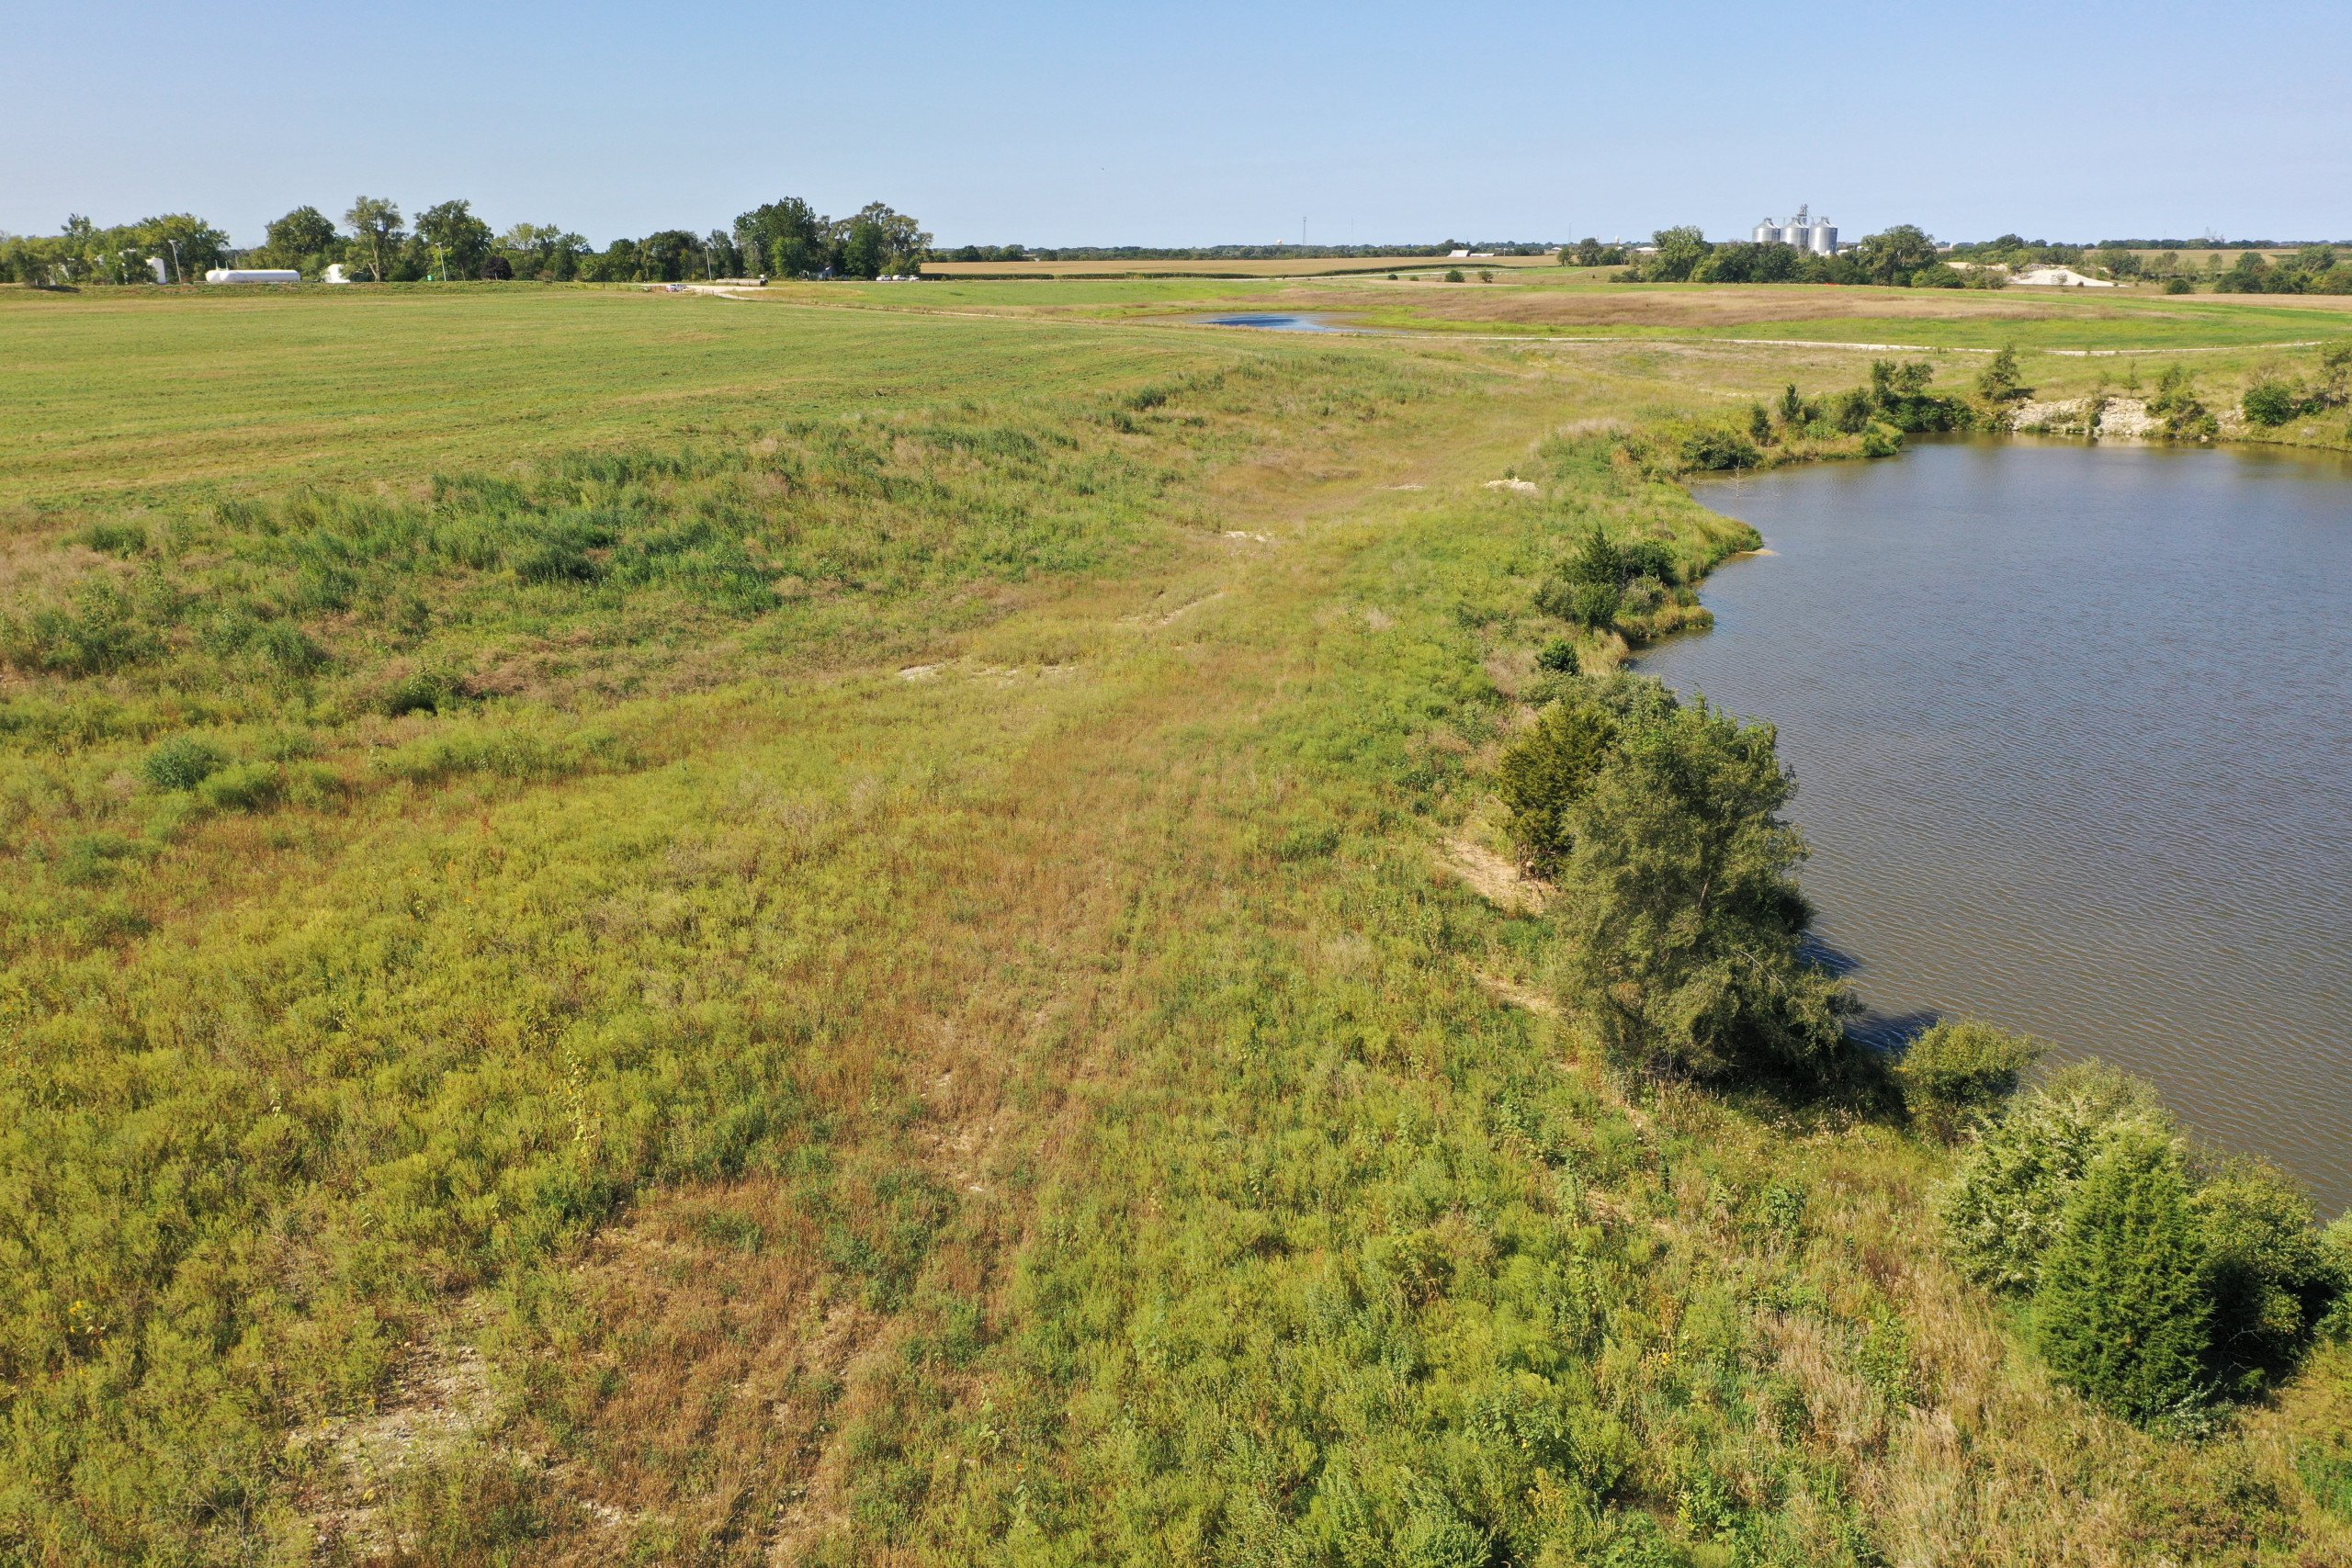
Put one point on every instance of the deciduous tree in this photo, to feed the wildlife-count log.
(784, 239)
(304, 238)
(375, 225)
(460, 240)
(1684, 929)
(1892, 255)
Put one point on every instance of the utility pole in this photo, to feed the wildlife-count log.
(179, 273)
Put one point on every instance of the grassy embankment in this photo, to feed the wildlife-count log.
(766, 969)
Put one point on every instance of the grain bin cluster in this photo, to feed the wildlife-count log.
(1804, 231)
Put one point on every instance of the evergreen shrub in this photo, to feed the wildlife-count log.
(2121, 1312)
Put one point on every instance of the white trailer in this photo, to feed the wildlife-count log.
(253, 274)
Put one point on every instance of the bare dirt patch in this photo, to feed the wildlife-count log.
(1493, 878)
(440, 1399)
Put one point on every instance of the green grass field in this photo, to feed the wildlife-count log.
(665, 928)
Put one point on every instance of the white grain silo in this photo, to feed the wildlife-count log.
(1822, 238)
(1768, 233)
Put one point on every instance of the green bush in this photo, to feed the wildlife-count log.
(2337, 1240)
(422, 691)
(1590, 604)
(313, 784)
(1899, 394)
(286, 649)
(2271, 1277)
(1961, 1070)
(1559, 658)
(99, 631)
(2002, 382)
(2177, 404)
(2026, 1212)
(2121, 1312)
(2271, 403)
(2001, 1208)
(242, 786)
(1598, 582)
(1545, 774)
(2179, 286)
(1882, 441)
(114, 538)
(1710, 451)
(181, 763)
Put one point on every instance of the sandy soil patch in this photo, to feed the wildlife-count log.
(1493, 878)
(440, 1398)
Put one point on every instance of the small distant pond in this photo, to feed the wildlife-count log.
(2072, 727)
(1278, 322)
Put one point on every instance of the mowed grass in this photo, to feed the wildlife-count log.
(151, 389)
(1580, 303)
(2030, 319)
(1288, 266)
(914, 1005)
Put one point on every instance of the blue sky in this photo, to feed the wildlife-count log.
(1098, 124)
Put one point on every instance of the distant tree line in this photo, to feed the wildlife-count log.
(1904, 256)
(1589, 252)
(2314, 269)
(183, 243)
(376, 242)
(1018, 252)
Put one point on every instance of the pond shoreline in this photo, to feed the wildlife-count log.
(1949, 859)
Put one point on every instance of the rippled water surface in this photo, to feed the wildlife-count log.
(2072, 731)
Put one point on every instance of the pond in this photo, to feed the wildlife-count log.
(1277, 322)
(2072, 727)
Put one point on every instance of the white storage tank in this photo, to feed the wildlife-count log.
(1824, 238)
(1768, 233)
(253, 274)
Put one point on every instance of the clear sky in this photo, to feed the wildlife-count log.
(1084, 123)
